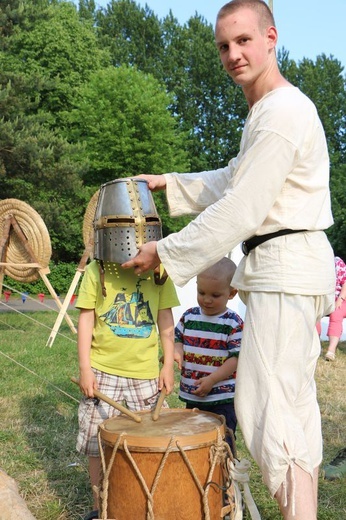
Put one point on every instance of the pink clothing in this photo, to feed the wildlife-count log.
(337, 316)
(340, 271)
(335, 321)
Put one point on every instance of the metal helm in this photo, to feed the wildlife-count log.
(125, 218)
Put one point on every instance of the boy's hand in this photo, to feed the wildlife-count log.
(166, 379)
(204, 385)
(87, 382)
(178, 355)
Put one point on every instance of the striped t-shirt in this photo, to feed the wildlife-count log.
(207, 341)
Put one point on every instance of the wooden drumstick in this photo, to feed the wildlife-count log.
(110, 401)
(159, 404)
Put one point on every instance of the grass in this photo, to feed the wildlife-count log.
(38, 422)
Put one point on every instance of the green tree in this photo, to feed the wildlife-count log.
(337, 233)
(40, 167)
(122, 120)
(69, 119)
(37, 164)
(87, 10)
(132, 35)
(50, 40)
(323, 81)
(209, 108)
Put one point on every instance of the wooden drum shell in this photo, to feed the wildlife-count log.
(177, 495)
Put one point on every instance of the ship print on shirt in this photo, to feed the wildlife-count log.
(130, 316)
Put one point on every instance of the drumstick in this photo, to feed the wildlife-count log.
(110, 401)
(159, 404)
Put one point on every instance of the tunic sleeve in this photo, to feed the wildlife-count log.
(191, 193)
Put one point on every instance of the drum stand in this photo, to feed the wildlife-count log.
(10, 223)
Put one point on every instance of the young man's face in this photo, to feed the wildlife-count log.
(244, 50)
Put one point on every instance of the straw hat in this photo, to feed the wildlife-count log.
(37, 237)
(88, 222)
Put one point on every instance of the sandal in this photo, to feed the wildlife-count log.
(330, 356)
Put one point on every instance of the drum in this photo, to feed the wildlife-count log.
(170, 468)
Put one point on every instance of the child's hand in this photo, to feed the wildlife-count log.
(166, 379)
(178, 356)
(204, 385)
(87, 382)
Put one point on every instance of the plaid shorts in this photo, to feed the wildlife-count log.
(135, 394)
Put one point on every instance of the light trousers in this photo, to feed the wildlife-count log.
(275, 400)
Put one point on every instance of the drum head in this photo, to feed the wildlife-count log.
(190, 429)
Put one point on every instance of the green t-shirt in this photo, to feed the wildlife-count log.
(125, 336)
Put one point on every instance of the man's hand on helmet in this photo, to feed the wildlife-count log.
(145, 260)
(155, 182)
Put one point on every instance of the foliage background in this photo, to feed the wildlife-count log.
(91, 94)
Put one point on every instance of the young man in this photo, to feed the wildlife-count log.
(274, 196)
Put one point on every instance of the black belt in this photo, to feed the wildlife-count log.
(256, 240)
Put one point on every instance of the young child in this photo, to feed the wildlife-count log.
(118, 346)
(207, 343)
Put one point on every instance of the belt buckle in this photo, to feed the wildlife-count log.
(244, 248)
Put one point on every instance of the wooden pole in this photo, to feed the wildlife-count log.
(3, 248)
(78, 274)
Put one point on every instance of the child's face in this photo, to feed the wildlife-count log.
(213, 295)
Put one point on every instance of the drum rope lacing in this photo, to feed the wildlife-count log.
(217, 453)
(103, 494)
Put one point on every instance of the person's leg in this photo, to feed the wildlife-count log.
(228, 411)
(333, 343)
(315, 487)
(91, 413)
(299, 500)
(276, 402)
(334, 331)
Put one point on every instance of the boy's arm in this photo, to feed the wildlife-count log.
(165, 325)
(205, 384)
(179, 353)
(87, 380)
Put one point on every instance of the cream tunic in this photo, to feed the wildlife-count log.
(280, 179)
